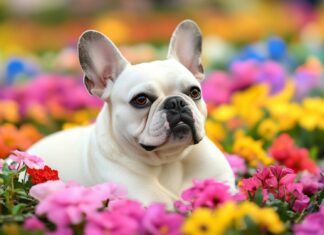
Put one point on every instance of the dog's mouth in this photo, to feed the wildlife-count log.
(180, 130)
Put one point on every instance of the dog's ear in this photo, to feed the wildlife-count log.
(185, 47)
(101, 62)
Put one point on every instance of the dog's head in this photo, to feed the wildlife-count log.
(155, 106)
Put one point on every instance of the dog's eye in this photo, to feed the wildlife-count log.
(140, 101)
(195, 93)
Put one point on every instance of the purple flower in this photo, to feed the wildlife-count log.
(157, 221)
(237, 164)
(272, 73)
(312, 224)
(31, 161)
(311, 183)
(305, 80)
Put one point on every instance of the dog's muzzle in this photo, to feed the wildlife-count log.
(180, 118)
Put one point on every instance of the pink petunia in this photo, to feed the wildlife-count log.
(31, 161)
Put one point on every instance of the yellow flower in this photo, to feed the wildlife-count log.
(251, 150)
(313, 113)
(117, 30)
(309, 121)
(268, 129)
(214, 131)
(82, 117)
(201, 222)
(248, 103)
(284, 96)
(285, 114)
(224, 113)
(264, 217)
(269, 218)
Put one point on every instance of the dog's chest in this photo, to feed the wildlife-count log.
(171, 177)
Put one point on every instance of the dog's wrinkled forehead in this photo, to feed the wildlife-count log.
(158, 77)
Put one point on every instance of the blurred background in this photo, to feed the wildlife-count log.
(263, 62)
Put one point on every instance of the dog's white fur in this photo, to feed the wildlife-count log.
(110, 150)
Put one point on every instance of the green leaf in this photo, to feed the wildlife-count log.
(258, 197)
(18, 208)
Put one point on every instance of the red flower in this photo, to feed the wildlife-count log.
(284, 150)
(42, 175)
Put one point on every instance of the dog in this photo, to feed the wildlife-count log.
(149, 135)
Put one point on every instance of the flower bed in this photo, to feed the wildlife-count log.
(266, 114)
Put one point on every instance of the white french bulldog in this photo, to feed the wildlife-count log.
(149, 135)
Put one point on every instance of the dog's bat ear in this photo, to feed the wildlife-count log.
(101, 62)
(185, 47)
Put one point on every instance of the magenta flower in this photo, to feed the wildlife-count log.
(312, 224)
(244, 73)
(207, 193)
(33, 223)
(311, 183)
(280, 182)
(31, 161)
(157, 221)
(217, 88)
(237, 164)
(294, 194)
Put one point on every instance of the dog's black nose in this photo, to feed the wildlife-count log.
(175, 103)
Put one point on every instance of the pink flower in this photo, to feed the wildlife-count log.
(41, 191)
(33, 223)
(66, 205)
(280, 182)
(311, 183)
(207, 193)
(237, 164)
(31, 161)
(217, 88)
(128, 207)
(61, 231)
(312, 224)
(157, 221)
(112, 223)
(123, 217)
(110, 190)
(295, 195)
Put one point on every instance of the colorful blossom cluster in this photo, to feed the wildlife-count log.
(265, 111)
